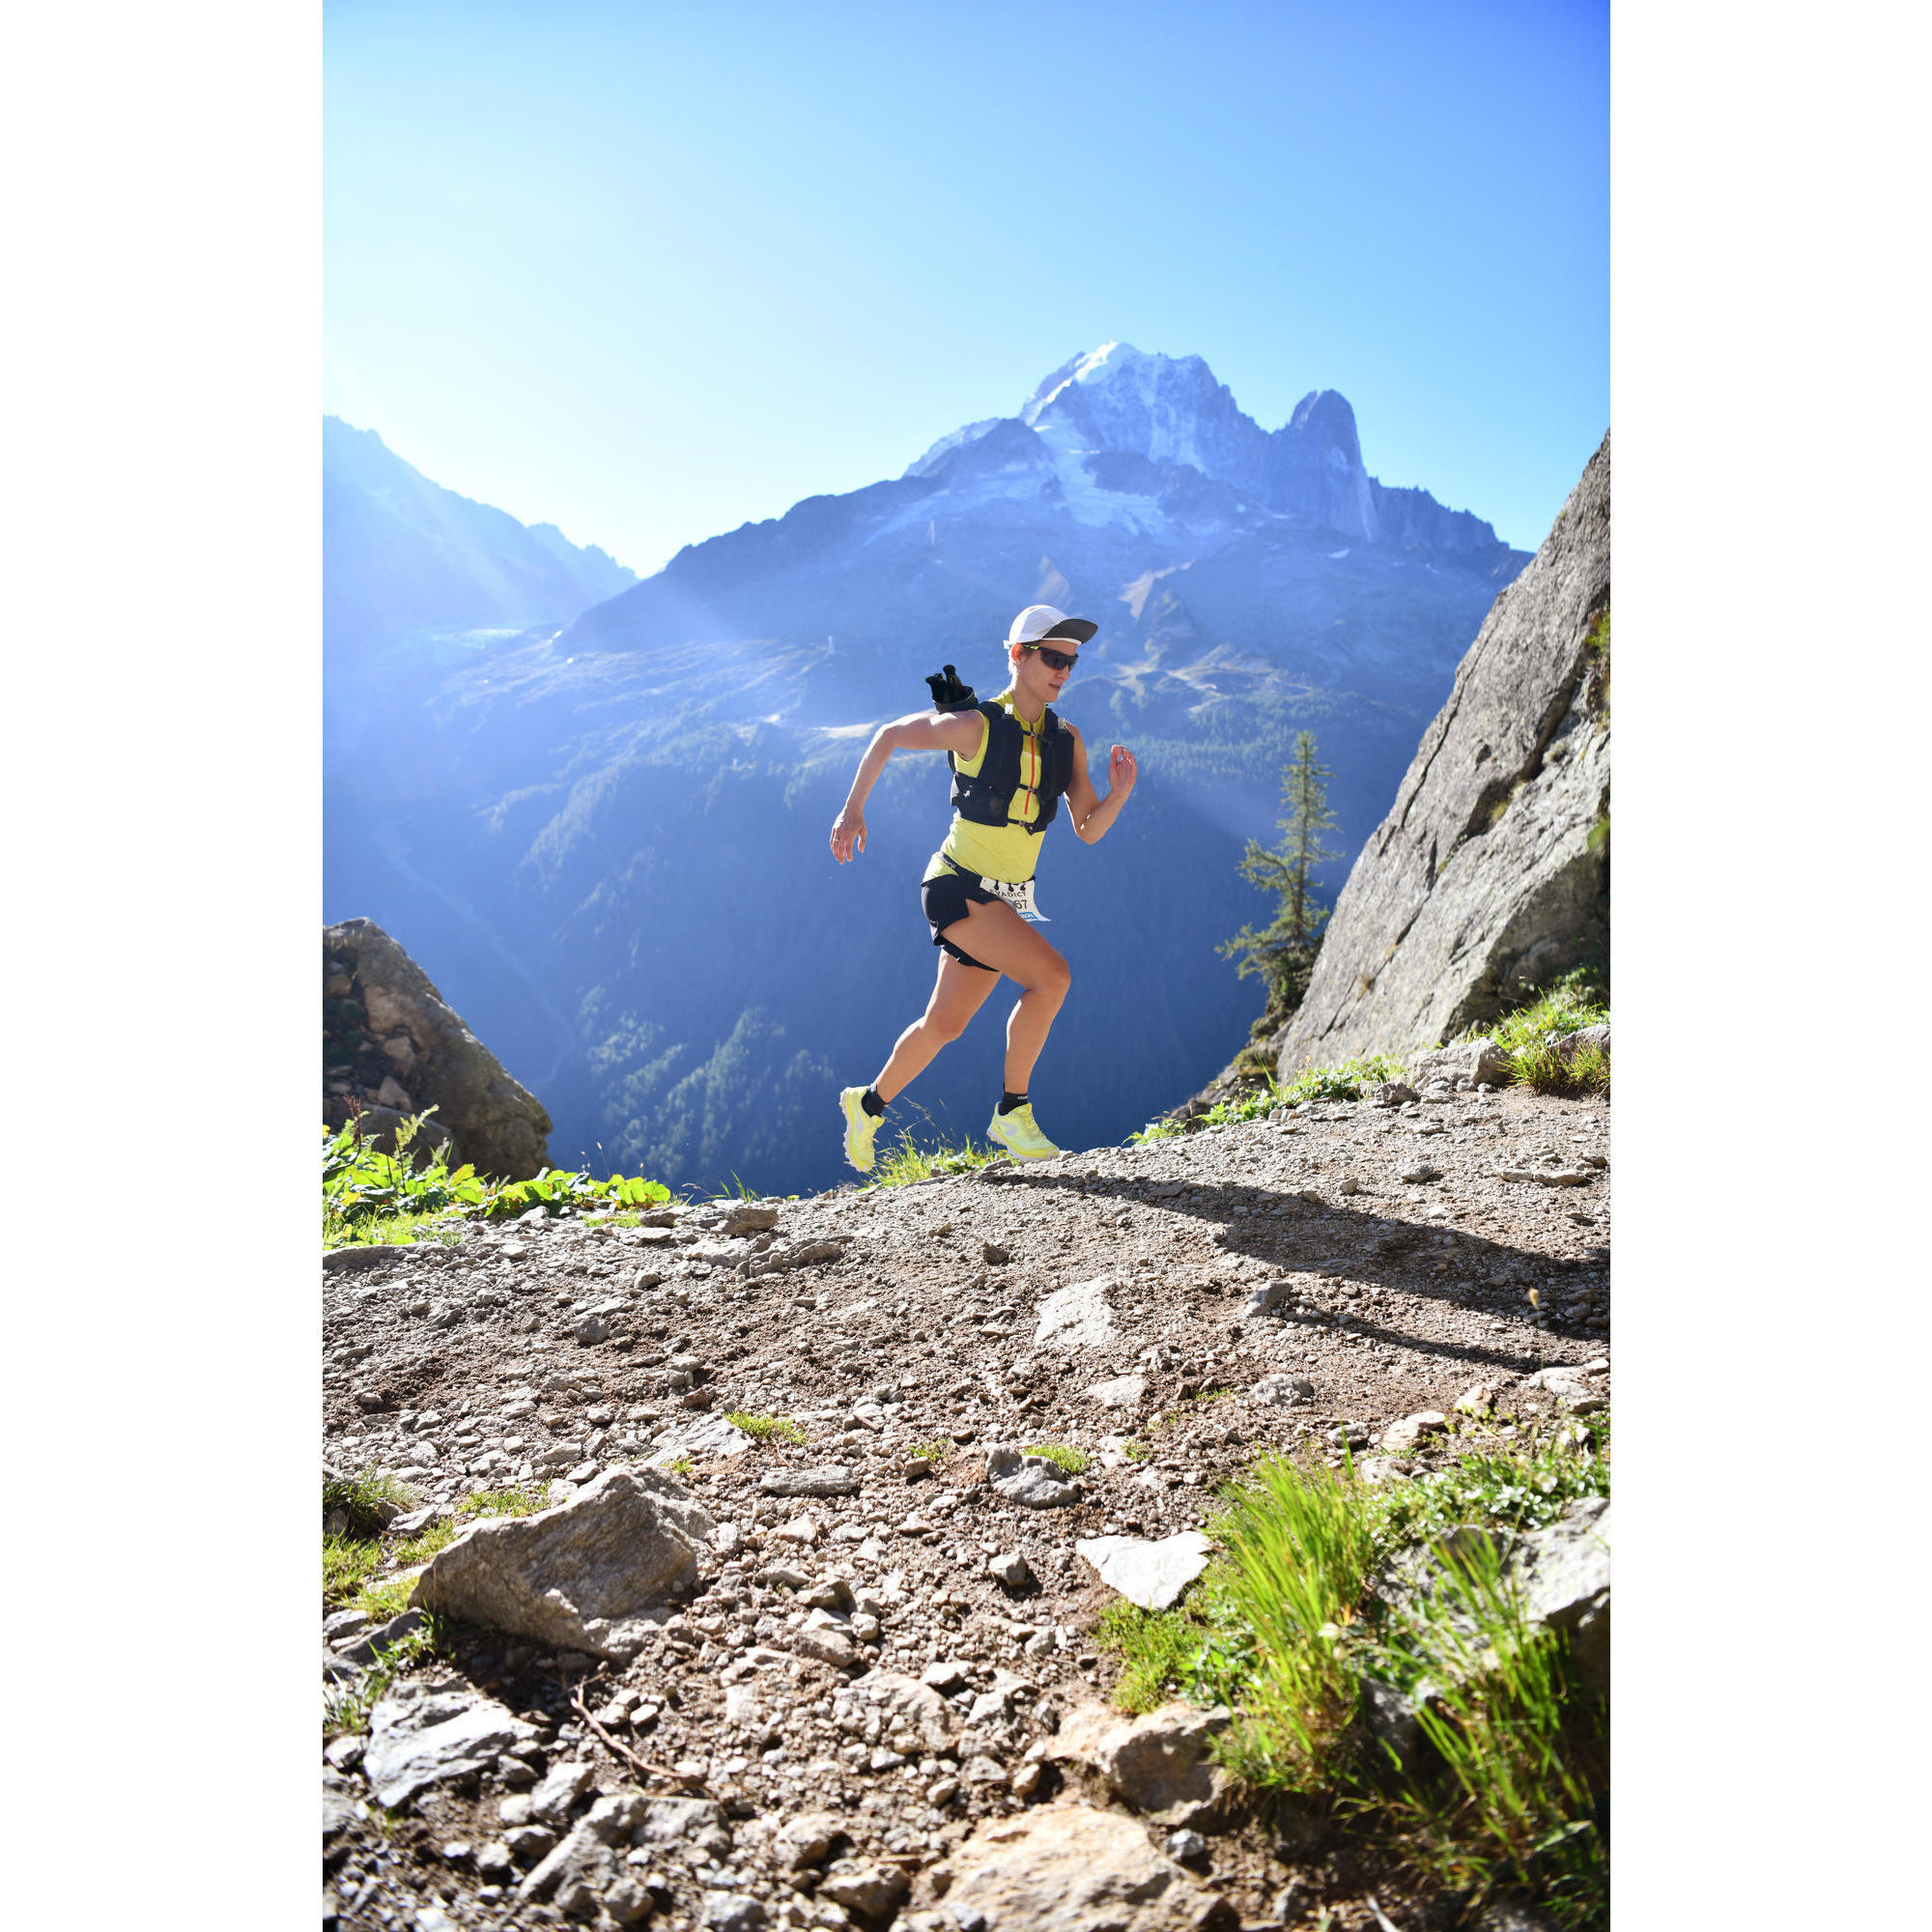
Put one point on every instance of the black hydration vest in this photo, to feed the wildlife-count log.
(984, 800)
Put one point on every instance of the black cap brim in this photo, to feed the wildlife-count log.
(1071, 630)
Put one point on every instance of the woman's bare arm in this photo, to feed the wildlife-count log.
(1092, 815)
(956, 732)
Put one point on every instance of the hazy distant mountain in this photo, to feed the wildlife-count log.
(608, 843)
(401, 554)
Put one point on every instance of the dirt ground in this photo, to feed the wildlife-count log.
(882, 1319)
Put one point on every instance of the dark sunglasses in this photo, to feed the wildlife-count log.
(1055, 660)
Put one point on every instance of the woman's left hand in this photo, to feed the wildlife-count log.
(1120, 771)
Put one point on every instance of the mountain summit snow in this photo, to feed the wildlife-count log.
(1110, 420)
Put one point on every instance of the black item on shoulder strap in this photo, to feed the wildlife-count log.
(947, 693)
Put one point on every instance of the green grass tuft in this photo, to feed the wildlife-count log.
(1285, 1627)
(1298, 1551)
(367, 1499)
(383, 1600)
(1074, 1462)
(436, 1539)
(766, 1428)
(1519, 1738)
(519, 1499)
(347, 1563)
(347, 1709)
(1527, 1036)
(903, 1163)
(1156, 1648)
(936, 1449)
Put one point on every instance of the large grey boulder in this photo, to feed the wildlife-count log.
(1490, 874)
(1071, 1868)
(373, 987)
(584, 1576)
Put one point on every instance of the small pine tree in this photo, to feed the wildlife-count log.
(1282, 951)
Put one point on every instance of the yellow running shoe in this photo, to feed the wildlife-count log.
(1020, 1135)
(860, 1128)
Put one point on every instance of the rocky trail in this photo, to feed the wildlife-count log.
(851, 1680)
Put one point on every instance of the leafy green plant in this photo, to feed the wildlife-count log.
(1515, 1488)
(369, 1195)
(1343, 1081)
(558, 1190)
(362, 1184)
(1074, 1462)
(766, 1428)
(682, 1467)
(1253, 1104)
(1136, 1451)
(935, 1449)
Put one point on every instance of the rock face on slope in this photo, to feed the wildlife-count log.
(1491, 873)
(391, 1042)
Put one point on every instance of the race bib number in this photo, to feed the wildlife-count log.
(1019, 897)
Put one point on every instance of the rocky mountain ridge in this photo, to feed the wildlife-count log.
(843, 1674)
(401, 554)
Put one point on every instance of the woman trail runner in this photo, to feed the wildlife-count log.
(1012, 759)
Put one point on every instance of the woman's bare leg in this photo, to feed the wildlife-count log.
(957, 994)
(997, 934)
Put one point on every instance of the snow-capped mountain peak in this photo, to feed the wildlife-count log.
(1111, 422)
(1110, 358)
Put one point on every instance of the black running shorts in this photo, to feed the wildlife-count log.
(945, 899)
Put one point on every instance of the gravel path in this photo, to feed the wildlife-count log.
(974, 1312)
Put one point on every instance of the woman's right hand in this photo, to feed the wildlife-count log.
(848, 834)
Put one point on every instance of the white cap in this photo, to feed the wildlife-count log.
(1042, 623)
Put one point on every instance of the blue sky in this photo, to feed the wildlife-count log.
(649, 272)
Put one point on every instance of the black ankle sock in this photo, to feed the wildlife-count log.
(1008, 1101)
(870, 1101)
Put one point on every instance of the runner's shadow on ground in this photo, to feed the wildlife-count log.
(1383, 1251)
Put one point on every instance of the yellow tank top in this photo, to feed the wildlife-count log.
(1005, 852)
